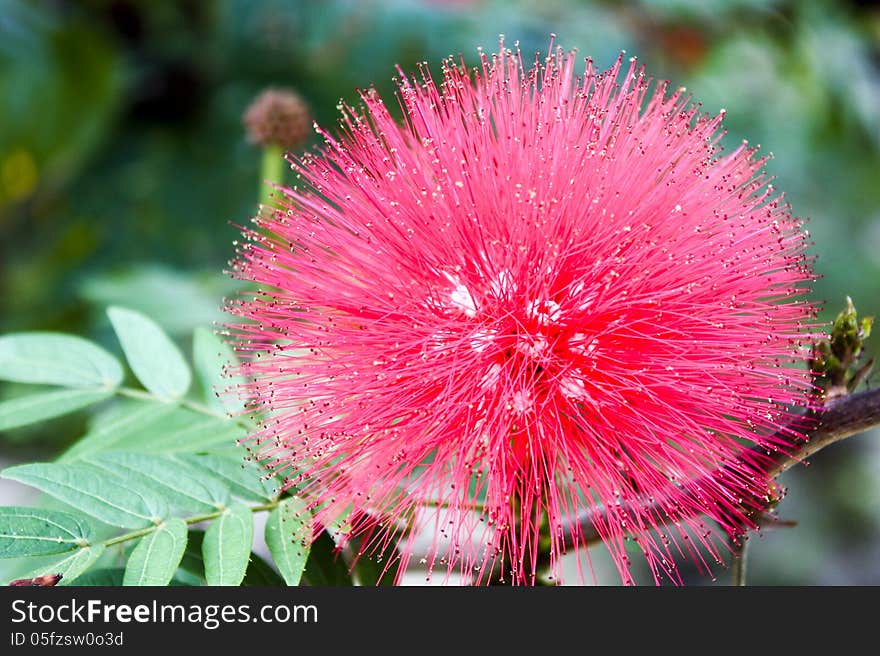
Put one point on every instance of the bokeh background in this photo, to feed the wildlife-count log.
(124, 166)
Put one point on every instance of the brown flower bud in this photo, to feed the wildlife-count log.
(278, 117)
(44, 581)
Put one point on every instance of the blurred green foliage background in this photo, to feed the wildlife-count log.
(124, 166)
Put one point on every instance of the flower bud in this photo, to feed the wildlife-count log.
(278, 117)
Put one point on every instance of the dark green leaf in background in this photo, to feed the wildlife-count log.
(325, 565)
(103, 576)
(259, 572)
(372, 569)
(191, 569)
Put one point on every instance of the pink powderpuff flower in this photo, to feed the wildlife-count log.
(539, 295)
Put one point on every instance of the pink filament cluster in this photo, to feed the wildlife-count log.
(540, 295)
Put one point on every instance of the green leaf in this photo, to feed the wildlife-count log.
(119, 426)
(212, 357)
(183, 430)
(36, 532)
(288, 536)
(57, 359)
(245, 478)
(178, 300)
(103, 576)
(156, 556)
(151, 427)
(370, 570)
(74, 565)
(185, 487)
(32, 408)
(259, 572)
(192, 568)
(94, 491)
(325, 565)
(184, 577)
(153, 357)
(70, 566)
(227, 546)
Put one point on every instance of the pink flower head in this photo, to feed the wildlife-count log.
(539, 296)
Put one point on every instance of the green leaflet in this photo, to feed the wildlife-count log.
(112, 427)
(155, 558)
(71, 565)
(184, 487)
(245, 478)
(227, 546)
(153, 357)
(288, 536)
(32, 408)
(37, 532)
(185, 431)
(192, 567)
(212, 357)
(96, 492)
(57, 359)
(151, 427)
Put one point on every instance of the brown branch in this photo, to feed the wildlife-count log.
(841, 418)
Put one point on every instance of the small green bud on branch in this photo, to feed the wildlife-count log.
(835, 362)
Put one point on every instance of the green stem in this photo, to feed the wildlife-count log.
(195, 519)
(271, 171)
(125, 537)
(142, 395)
(738, 565)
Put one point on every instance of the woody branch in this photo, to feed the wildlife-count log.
(842, 417)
